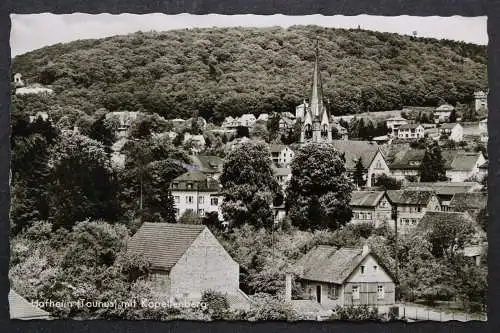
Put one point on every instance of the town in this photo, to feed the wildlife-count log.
(305, 215)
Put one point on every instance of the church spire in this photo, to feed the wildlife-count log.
(316, 102)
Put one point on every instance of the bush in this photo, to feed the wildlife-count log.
(217, 305)
(353, 312)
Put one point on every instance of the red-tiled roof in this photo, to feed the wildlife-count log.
(163, 244)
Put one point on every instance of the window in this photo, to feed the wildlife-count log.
(362, 269)
(175, 185)
(177, 199)
(361, 216)
(201, 200)
(368, 216)
(355, 292)
(189, 199)
(214, 201)
(407, 221)
(419, 209)
(333, 292)
(189, 186)
(201, 212)
(375, 268)
(380, 292)
(413, 221)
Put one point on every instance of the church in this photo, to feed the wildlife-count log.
(316, 123)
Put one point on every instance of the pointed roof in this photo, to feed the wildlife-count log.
(317, 88)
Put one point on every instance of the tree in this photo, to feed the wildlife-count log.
(319, 191)
(359, 173)
(249, 186)
(432, 168)
(386, 182)
(103, 131)
(190, 217)
(453, 116)
(83, 184)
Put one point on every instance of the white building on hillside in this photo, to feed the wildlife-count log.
(452, 131)
(480, 100)
(442, 113)
(410, 131)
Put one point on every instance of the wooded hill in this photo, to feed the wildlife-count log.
(230, 71)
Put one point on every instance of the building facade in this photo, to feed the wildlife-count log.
(410, 131)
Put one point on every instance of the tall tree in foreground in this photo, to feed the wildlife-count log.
(249, 186)
(432, 168)
(83, 184)
(359, 172)
(319, 191)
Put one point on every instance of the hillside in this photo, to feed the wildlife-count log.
(229, 71)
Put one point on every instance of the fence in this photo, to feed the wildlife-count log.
(417, 313)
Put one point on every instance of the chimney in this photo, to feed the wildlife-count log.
(288, 288)
(366, 249)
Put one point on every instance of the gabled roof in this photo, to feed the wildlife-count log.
(353, 150)
(163, 244)
(327, 264)
(449, 125)
(282, 171)
(199, 180)
(409, 126)
(20, 308)
(408, 159)
(462, 202)
(460, 160)
(365, 198)
(207, 163)
(410, 196)
(447, 188)
(276, 148)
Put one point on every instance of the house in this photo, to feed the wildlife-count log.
(393, 123)
(18, 80)
(281, 155)
(483, 130)
(187, 260)
(124, 118)
(285, 124)
(442, 113)
(446, 190)
(197, 192)
(208, 164)
(451, 131)
(263, 117)
(20, 308)
(177, 122)
(471, 203)
(247, 120)
(483, 170)
(283, 176)
(44, 116)
(371, 157)
(301, 109)
(383, 139)
(461, 165)
(406, 164)
(34, 89)
(345, 276)
(370, 207)
(411, 205)
(230, 123)
(410, 131)
(198, 141)
(480, 100)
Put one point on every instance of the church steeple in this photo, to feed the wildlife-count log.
(316, 102)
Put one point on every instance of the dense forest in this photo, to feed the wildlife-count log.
(218, 72)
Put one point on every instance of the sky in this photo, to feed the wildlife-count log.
(33, 31)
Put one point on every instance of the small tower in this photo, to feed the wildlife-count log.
(480, 100)
(316, 126)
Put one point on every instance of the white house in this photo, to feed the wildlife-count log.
(263, 117)
(394, 122)
(283, 176)
(198, 192)
(410, 131)
(480, 100)
(442, 113)
(300, 110)
(281, 155)
(461, 165)
(345, 276)
(18, 80)
(451, 131)
(247, 120)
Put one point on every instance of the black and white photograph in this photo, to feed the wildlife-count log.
(247, 167)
